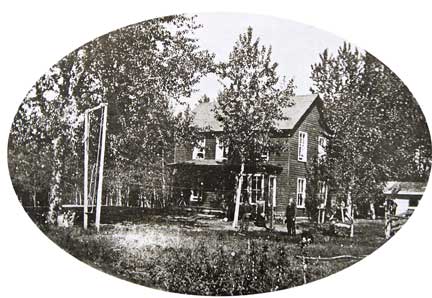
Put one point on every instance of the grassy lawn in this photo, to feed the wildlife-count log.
(208, 257)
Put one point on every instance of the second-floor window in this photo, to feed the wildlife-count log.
(199, 150)
(221, 152)
(302, 146)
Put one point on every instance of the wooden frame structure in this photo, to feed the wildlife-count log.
(100, 162)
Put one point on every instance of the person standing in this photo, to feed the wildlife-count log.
(290, 215)
(245, 217)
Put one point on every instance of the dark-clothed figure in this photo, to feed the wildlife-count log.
(245, 217)
(290, 215)
(260, 220)
(390, 206)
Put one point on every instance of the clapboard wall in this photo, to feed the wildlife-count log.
(292, 168)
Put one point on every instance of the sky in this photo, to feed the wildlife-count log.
(295, 46)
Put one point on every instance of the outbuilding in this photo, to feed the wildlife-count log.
(405, 194)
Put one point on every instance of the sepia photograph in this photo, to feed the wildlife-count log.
(219, 154)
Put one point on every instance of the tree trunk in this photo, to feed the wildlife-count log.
(372, 211)
(34, 199)
(350, 213)
(387, 221)
(127, 199)
(342, 214)
(119, 196)
(324, 204)
(56, 174)
(55, 191)
(238, 195)
(163, 179)
(76, 195)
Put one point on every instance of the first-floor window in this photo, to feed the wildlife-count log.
(257, 188)
(413, 202)
(322, 192)
(252, 188)
(301, 192)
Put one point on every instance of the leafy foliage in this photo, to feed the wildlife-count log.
(252, 98)
(250, 104)
(378, 132)
(141, 71)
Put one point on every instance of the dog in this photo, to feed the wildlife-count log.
(306, 238)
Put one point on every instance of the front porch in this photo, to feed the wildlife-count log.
(211, 184)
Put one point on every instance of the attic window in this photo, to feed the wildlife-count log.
(302, 146)
(199, 150)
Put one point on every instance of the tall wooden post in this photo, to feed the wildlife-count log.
(86, 145)
(101, 167)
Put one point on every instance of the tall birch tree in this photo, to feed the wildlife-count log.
(250, 103)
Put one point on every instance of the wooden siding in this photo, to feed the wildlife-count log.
(286, 183)
(298, 169)
(282, 186)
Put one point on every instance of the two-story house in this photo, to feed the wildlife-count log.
(203, 177)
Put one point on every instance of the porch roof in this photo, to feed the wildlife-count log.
(223, 165)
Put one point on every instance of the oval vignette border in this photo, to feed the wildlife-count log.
(395, 239)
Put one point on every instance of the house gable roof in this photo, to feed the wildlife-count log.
(204, 115)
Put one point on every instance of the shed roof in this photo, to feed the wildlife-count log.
(204, 115)
(404, 188)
